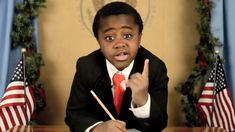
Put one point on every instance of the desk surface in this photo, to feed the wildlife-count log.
(52, 128)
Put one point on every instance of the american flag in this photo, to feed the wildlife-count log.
(17, 103)
(215, 101)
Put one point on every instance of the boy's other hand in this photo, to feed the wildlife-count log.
(110, 126)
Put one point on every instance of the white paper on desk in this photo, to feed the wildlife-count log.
(132, 130)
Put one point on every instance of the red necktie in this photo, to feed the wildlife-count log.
(118, 91)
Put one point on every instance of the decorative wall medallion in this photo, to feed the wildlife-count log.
(88, 8)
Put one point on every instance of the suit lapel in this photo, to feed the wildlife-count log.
(103, 90)
(138, 64)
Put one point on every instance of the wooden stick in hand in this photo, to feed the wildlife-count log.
(102, 105)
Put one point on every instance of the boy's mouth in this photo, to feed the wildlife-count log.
(122, 56)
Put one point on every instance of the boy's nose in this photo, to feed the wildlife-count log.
(119, 45)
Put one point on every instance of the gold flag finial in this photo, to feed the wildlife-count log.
(217, 51)
(23, 50)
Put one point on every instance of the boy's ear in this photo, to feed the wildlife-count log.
(99, 44)
(140, 37)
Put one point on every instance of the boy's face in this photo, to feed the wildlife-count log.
(119, 39)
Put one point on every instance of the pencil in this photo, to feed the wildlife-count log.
(102, 105)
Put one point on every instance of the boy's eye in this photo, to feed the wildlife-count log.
(127, 36)
(109, 38)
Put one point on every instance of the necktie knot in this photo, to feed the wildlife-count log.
(118, 78)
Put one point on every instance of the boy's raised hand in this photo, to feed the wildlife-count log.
(145, 72)
(138, 83)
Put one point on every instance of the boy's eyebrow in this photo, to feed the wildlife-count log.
(128, 27)
(108, 29)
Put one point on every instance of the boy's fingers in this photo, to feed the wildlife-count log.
(145, 72)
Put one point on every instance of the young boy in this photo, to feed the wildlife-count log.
(118, 29)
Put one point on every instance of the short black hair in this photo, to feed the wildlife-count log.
(116, 8)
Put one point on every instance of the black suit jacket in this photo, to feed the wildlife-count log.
(91, 74)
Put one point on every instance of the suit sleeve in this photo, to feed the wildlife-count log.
(78, 117)
(158, 85)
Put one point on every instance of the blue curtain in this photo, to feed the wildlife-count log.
(223, 27)
(8, 57)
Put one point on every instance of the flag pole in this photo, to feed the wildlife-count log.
(23, 50)
(214, 86)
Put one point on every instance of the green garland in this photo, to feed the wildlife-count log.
(192, 87)
(22, 36)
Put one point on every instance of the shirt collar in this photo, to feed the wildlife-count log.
(112, 70)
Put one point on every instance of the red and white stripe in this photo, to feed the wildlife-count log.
(218, 110)
(12, 106)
